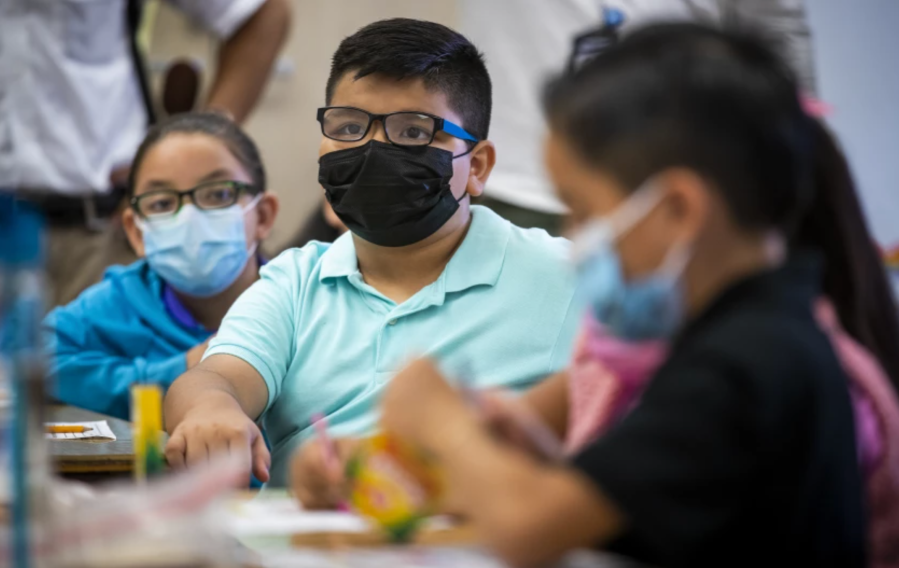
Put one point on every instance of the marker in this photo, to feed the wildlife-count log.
(62, 429)
(332, 462)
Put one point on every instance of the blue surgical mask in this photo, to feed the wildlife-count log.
(199, 252)
(649, 308)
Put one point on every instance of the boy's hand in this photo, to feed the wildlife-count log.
(316, 482)
(212, 429)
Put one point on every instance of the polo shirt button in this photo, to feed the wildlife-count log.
(391, 322)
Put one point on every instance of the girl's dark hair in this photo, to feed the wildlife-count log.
(216, 125)
(854, 279)
(724, 104)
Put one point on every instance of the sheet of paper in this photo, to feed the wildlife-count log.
(99, 430)
(418, 557)
(395, 557)
(282, 515)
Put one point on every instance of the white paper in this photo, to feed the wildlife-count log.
(99, 430)
(394, 557)
(417, 557)
(270, 516)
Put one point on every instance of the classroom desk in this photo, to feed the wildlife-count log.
(91, 458)
(266, 524)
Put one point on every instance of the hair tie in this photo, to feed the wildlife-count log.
(814, 107)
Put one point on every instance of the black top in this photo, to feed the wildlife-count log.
(742, 450)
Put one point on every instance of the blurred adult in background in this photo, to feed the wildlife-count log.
(74, 106)
(525, 40)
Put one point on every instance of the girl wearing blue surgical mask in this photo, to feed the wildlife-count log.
(198, 211)
(689, 166)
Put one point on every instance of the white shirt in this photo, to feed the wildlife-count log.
(70, 104)
(526, 42)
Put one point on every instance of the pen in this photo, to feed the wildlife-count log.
(63, 429)
(332, 462)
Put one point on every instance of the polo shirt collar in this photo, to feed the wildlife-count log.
(340, 258)
(478, 260)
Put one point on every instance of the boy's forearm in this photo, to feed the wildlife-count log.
(197, 387)
(246, 60)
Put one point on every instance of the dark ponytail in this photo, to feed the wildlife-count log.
(854, 276)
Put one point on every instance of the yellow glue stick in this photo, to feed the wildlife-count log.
(146, 417)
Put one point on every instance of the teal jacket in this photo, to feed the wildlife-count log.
(115, 334)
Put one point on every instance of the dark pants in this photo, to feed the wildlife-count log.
(524, 218)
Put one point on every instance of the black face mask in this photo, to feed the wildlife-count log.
(389, 195)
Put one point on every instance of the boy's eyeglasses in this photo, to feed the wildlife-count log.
(348, 124)
(163, 203)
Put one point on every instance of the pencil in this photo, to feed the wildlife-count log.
(63, 429)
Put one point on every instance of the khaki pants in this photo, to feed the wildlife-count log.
(77, 257)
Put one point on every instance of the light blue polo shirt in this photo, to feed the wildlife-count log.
(325, 341)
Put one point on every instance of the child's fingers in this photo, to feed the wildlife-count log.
(262, 459)
(334, 471)
(197, 453)
(311, 478)
(245, 454)
(175, 450)
(334, 481)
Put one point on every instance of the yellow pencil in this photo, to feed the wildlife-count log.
(62, 429)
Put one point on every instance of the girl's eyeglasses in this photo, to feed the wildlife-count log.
(162, 203)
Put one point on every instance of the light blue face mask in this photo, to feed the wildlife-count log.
(199, 253)
(648, 308)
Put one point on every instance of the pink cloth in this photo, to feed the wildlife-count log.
(607, 377)
(877, 428)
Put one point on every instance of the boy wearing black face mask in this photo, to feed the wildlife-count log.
(403, 150)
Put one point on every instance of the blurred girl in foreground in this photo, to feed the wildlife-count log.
(708, 218)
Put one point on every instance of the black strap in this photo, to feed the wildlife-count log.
(134, 12)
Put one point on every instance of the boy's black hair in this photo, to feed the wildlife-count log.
(724, 104)
(213, 124)
(403, 48)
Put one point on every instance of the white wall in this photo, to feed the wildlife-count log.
(857, 53)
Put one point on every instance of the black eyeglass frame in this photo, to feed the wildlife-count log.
(240, 187)
(440, 125)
